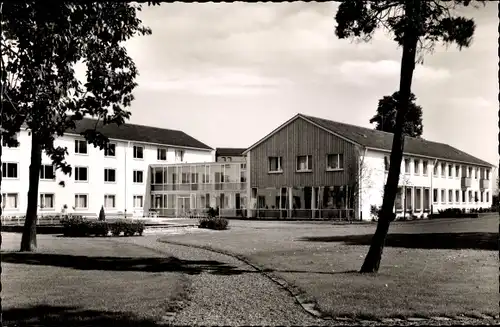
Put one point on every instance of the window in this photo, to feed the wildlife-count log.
(487, 175)
(435, 170)
(275, 164)
(407, 166)
(46, 201)
(304, 163)
(138, 152)
(81, 174)
(138, 176)
(457, 196)
(457, 171)
(476, 171)
(138, 201)
(81, 201)
(47, 172)
(80, 147)
(229, 159)
(424, 167)
(482, 196)
(450, 173)
(487, 197)
(110, 150)
(386, 163)
(109, 201)
(9, 169)
(443, 196)
(469, 172)
(435, 196)
(223, 158)
(470, 197)
(161, 154)
(443, 169)
(9, 201)
(476, 198)
(450, 196)
(416, 165)
(110, 175)
(179, 155)
(463, 197)
(335, 161)
(243, 166)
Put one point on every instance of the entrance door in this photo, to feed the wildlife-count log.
(183, 206)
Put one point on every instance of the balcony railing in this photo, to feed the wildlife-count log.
(199, 187)
(484, 183)
(466, 182)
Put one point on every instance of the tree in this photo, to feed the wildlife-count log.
(385, 118)
(42, 92)
(416, 26)
(102, 215)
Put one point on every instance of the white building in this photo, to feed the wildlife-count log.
(117, 178)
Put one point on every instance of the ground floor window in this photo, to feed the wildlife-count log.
(138, 201)
(109, 201)
(46, 201)
(9, 201)
(81, 201)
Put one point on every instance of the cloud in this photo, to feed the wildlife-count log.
(371, 72)
(214, 82)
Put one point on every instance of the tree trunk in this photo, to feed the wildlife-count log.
(1, 211)
(28, 241)
(387, 215)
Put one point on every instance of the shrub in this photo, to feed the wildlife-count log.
(212, 212)
(454, 213)
(102, 216)
(216, 223)
(78, 227)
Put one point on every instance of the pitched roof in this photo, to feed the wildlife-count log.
(141, 133)
(379, 140)
(231, 152)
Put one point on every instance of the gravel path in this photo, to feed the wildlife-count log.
(242, 297)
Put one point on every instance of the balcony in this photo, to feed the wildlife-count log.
(484, 184)
(466, 182)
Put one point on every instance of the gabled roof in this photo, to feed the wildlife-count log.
(382, 141)
(230, 152)
(141, 133)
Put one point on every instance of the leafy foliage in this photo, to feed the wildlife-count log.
(42, 47)
(216, 223)
(80, 227)
(385, 118)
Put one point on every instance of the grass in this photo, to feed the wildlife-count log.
(421, 274)
(39, 288)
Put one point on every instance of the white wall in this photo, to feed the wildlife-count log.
(124, 189)
(373, 178)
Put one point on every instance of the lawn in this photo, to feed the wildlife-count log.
(421, 275)
(76, 282)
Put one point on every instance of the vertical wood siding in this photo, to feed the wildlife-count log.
(301, 138)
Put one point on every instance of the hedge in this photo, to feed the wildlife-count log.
(454, 213)
(82, 227)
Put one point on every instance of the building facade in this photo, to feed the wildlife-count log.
(187, 190)
(115, 178)
(230, 155)
(313, 167)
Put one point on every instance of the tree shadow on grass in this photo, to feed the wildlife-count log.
(476, 241)
(45, 315)
(154, 264)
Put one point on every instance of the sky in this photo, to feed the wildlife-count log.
(230, 73)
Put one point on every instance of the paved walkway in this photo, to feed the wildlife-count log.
(238, 295)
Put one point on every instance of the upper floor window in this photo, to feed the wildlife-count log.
(110, 150)
(110, 175)
(161, 154)
(450, 173)
(335, 161)
(275, 164)
(407, 166)
(9, 169)
(5, 143)
(476, 173)
(47, 172)
(386, 163)
(304, 163)
(424, 167)
(457, 171)
(81, 174)
(81, 147)
(469, 172)
(229, 159)
(416, 165)
(487, 174)
(138, 152)
(435, 170)
(443, 169)
(179, 155)
(138, 176)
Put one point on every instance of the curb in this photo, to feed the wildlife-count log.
(312, 308)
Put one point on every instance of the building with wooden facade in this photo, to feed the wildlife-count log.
(313, 167)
